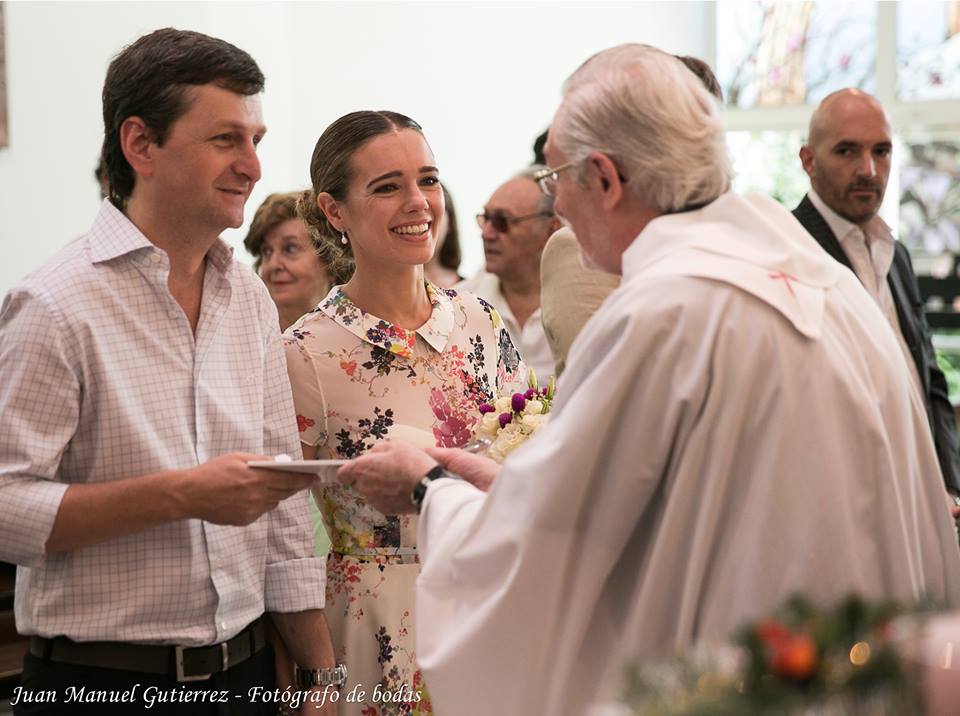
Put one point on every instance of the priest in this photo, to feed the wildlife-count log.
(736, 424)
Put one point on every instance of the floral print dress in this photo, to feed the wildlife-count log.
(355, 377)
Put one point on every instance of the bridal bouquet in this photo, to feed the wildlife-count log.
(510, 421)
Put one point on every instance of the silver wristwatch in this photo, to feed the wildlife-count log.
(308, 678)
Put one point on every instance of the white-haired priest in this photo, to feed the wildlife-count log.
(735, 424)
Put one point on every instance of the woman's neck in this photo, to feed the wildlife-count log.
(397, 295)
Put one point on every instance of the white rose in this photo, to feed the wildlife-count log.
(503, 405)
(510, 441)
(533, 407)
(489, 425)
(532, 423)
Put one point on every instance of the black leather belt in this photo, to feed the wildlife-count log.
(192, 663)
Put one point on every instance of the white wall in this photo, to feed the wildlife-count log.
(483, 78)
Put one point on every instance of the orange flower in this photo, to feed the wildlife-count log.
(796, 658)
(348, 368)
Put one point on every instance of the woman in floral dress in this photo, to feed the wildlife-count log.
(387, 349)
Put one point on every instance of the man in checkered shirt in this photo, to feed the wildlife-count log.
(140, 370)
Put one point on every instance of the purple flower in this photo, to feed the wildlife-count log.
(518, 402)
(530, 394)
(486, 408)
(505, 419)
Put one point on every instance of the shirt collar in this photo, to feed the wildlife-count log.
(113, 235)
(436, 331)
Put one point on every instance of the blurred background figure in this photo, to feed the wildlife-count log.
(538, 145)
(287, 260)
(103, 181)
(443, 268)
(515, 223)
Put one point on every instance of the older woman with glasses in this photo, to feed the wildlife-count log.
(286, 259)
(386, 355)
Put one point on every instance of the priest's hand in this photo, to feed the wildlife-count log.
(386, 475)
(478, 470)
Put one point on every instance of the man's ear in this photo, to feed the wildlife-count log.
(331, 209)
(136, 143)
(603, 172)
(806, 158)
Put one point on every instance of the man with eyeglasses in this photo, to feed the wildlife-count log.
(571, 291)
(515, 224)
(735, 425)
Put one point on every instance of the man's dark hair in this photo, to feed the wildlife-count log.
(150, 78)
(702, 70)
(538, 145)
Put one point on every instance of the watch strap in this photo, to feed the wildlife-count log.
(420, 490)
(332, 676)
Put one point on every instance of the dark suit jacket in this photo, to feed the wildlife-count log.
(916, 333)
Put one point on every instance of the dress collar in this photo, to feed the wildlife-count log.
(436, 331)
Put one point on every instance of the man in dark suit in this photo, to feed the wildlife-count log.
(847, 156)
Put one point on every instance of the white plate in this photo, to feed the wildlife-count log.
(311, 467)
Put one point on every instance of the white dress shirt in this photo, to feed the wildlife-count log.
(870, 253)
(102, 378)
(530, 339)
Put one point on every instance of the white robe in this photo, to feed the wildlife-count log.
(735, 425)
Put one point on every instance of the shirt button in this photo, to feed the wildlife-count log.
(155, 258)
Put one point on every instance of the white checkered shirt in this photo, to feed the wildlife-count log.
(101, 378)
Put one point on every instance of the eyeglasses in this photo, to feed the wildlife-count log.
(501, 221)
(547, 178)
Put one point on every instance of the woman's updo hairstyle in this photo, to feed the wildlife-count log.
(330, 172)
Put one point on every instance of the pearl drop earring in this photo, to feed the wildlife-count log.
(343, 238)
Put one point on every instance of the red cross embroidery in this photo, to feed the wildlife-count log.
(786, 278)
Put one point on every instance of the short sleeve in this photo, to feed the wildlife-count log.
(308, 400)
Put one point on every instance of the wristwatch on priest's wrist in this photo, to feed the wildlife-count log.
(309, 678)
(420, 491)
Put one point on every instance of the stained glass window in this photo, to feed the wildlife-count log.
(930, 196)
(768, 163)
(772, 53)
(928, 50)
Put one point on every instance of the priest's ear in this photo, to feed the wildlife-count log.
(603, 173)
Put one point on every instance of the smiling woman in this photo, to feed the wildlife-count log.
(385, 355)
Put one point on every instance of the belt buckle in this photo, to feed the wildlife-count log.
(181, 677)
